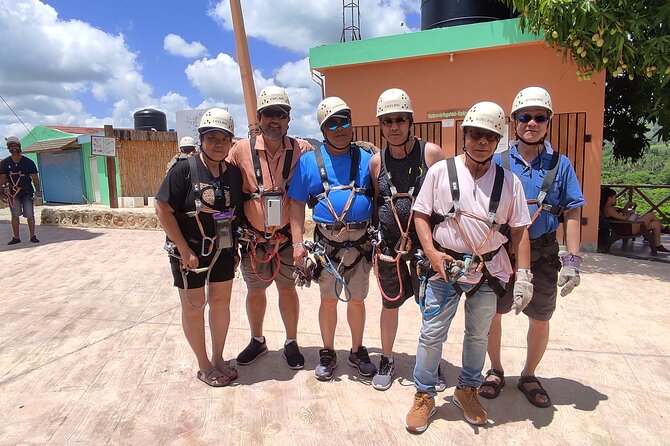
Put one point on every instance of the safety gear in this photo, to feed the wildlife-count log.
(329, 107)
(532, 97)
(12, 140)
(272, 95)
(486, 115)
(569, 277)
(187, 141)
(523, 290)
(393, 100)
(217, 119)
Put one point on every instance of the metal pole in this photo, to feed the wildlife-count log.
(111, 172)
(242, 52)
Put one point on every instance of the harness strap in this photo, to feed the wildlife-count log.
(258, 172)
(339, 246)
(414, 189)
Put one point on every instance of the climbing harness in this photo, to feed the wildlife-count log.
(323, 262)
(404, 244)
(12, 189)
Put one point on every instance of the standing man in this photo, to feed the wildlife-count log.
(17, 176)
(187, 147)
(335, 181)
(467, 198)
(550, 183)
(397, 174)
(267, 162)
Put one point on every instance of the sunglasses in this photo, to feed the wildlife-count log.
(388, 122)
(479, 134)
(280, 114)
(333, 125)
(526, 118)
(188, 149)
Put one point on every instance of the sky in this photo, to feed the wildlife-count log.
(93, 62)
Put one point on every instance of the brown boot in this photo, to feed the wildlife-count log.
(421, 411)
(473, 411)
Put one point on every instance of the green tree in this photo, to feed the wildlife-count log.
(630, 40)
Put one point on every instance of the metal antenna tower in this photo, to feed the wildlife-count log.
(351, 21)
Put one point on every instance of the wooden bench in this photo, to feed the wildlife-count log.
(612, 230)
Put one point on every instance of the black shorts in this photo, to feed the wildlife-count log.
(388, 280)
(222, 271)
(545, 265)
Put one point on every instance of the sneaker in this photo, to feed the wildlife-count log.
(14, 241)
(252, 352)
(661, 248)
(421, 411)
(294, 359)
(327, 363)
(34, 239)
(473, 411)
(384, 378)
(361, 360)
(442, 382)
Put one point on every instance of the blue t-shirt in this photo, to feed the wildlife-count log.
(565, 190)
(306, 182)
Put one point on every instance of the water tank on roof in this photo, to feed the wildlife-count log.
(150, 119)
(441, 13)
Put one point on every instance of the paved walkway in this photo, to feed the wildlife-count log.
(92, 352)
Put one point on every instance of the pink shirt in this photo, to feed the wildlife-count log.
(240, 156)
(435, 197)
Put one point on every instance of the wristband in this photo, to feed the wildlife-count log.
(523, 270)
(295, 245)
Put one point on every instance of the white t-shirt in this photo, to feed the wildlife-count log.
(435, 197)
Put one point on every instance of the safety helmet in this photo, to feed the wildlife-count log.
(532, 97)
(187, 141)
(273, 95)
(12, 140)
(216, 119)
(331, 106)
(486, 115)
(393, 100)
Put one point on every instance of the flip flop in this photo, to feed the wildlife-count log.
(213, 377)
(492, 384)
(532, 393)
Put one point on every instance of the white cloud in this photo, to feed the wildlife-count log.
(177, 46)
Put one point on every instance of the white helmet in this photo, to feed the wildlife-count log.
(12, 140)
(486, 115)
(532, 97)
(330, 107)
(273, 95)
(187, 141)
(393, 100)
(217, 119)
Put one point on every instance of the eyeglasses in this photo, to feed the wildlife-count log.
(479, 134)
(388, 122)
(526, 118)
(333, 125)
(280, 114)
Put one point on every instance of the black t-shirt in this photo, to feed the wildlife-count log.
(19, 173)
(221, 194)
(405, 172)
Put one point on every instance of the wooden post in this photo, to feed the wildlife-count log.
(242, 52)
(111, 172)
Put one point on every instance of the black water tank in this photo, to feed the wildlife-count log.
(441, 13)
(150, 119)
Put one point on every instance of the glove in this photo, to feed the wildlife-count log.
(523, 290)
(569, 277)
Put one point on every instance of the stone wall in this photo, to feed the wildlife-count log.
(92, 218)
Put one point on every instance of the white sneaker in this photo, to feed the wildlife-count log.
(384, 377)
(442, 382)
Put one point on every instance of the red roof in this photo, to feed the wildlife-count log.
(76, 130)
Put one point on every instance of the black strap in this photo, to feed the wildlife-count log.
(549, 177)
(497, 190)
(355, 153)
(413, 190)
(453, 180)
(258, 172)
(195, 179)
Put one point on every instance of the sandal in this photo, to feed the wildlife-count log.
(532, 393)
(496, 386)
(228, 370)
(213, 377)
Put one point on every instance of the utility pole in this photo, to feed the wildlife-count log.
(242, 52)
(111, 172)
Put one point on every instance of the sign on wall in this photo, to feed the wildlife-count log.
(103, 146)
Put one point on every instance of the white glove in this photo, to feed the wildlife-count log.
(569, 277)
(523, 290)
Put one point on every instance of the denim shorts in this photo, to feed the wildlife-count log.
(23, 206)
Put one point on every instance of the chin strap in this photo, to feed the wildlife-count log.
(334, 146)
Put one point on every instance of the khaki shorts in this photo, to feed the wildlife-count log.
(356, 277)
(257, 275)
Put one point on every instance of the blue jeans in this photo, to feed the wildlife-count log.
(23, 205)
(479, 311)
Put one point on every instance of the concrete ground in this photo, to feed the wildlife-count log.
(92, 352)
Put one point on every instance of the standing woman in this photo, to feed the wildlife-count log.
(199, 206)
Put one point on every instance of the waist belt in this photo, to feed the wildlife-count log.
(347, 225)
(544, 240)
(461, 256)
